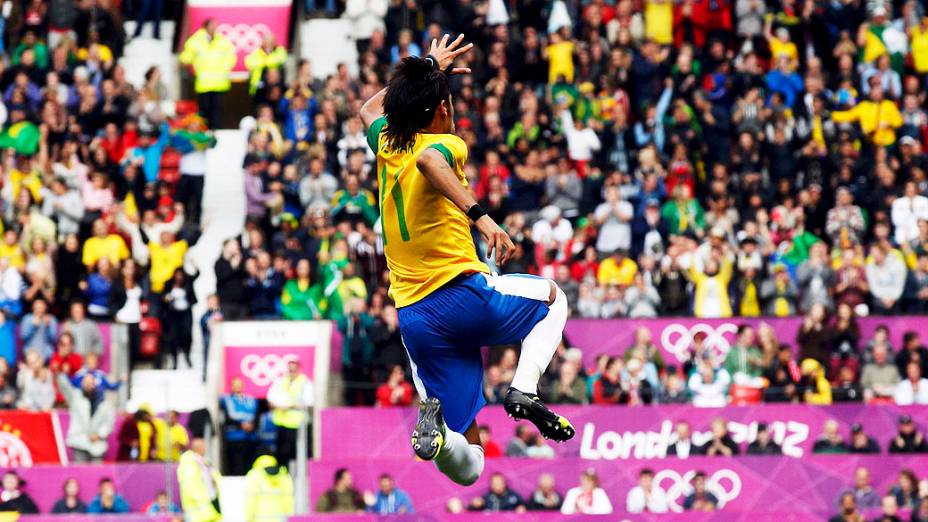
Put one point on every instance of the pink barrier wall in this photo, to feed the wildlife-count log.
(673, 335)
(138, 483)
(806, 489)
(618, 432)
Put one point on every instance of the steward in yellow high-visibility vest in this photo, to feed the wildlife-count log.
(289, 396)
(199, 485)
(212, 57)
(268, 56)
(268, 491)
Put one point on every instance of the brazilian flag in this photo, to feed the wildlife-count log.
(22, 136)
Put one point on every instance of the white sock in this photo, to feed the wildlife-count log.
(539, 345)
(460, 460)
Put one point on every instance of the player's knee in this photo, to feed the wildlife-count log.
(468, 480)
(557, 298)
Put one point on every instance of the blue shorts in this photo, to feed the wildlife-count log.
(444, 332)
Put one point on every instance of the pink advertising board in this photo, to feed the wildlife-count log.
(258, 366)
(245, 23)
(791, 489)
(674, 335)
(622, 432)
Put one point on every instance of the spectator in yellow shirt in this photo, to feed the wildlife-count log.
(618, 269)
(11, 250)
(102, 244)
(878, 117)
(918, 41)
(560, 57)
(177, 438)
(781, 45)
(165, 258)
(658, 21)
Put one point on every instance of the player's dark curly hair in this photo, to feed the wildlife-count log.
(413, 93)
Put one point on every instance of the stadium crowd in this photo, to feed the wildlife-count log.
(707, 159)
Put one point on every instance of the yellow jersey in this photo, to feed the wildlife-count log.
(427, 239)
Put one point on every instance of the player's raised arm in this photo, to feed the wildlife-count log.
(435, 168)
(372, 109)
(442, 53)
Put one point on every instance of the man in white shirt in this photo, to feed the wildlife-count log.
(614, 217)
(906, 211)
(646, 496)
(683, 446)
(914, 388)
(551, 230)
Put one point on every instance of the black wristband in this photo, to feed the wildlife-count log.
(433, 61)
(476, 212)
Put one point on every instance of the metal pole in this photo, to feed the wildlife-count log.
(301, 486)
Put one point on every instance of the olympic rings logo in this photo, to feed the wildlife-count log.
(677, 339)
(725, 484)
(263, 370)
(244, 37)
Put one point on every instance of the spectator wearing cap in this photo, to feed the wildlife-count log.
(879, 378)
(763, 443)
(817, 387)
(779, 292)
(861, 442)
(908, 439)
(913, 389)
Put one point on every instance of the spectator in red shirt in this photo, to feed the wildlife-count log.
(396, 391)
(65, 359)
(491, 449)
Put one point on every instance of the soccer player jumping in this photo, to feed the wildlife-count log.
(449, 304)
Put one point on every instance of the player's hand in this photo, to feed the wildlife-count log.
(446, 53)
(496, 238)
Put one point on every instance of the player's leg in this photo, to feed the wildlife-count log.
(533, 311)
(458, 456)
(449, 379)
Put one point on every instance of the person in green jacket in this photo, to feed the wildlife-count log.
(39, 50)
(683, 213)
(301, 300)
(744, 360)
(354, 202)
